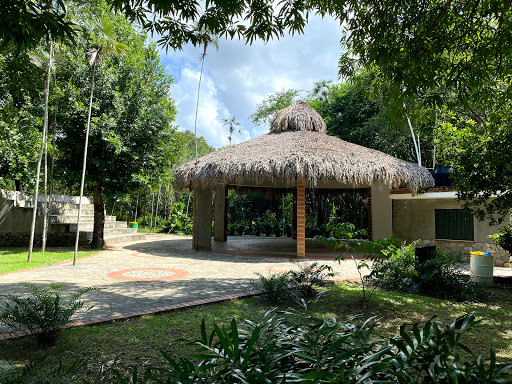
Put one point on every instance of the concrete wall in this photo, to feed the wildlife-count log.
(415, 219)
(17, 219)
(53, 240)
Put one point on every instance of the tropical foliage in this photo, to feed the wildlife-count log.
(328, 351)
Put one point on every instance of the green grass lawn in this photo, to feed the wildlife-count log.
(139, 341)
(15, 259)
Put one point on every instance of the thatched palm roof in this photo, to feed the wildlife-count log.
(298, 117)
(298, 149)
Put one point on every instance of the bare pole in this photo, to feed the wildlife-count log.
(84, 164)
(418, 155)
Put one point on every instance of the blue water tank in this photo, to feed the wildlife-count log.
(442, 176)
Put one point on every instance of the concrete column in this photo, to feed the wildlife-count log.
(203, 215)
(301, 220)
(381, 208)
(219, 210)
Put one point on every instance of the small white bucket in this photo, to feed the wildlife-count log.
(482, 268)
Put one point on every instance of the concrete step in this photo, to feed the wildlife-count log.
(71, 219)
(90, 226)
(124, 238)
(71, 211)
(119, 231)
(110, 218)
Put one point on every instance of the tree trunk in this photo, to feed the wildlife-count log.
(322, 210)
(98, 240)
(156, 209)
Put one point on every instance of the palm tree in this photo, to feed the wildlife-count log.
(232, 124)
(47, 61)
(206, 39)
(105, 45)
(42, 60)
(321, 89)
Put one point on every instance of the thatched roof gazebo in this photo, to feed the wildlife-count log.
(296, 154)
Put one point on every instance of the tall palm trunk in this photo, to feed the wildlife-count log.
(43, 145)
(84, 164)
(197, 102)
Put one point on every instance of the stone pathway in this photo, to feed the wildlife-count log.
(161, 271)
(160, 274)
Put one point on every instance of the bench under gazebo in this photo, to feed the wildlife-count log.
(296, 155)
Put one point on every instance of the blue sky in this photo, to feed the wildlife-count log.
(237, 77)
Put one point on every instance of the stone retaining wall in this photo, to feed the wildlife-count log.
(10, 239)
(501, 257)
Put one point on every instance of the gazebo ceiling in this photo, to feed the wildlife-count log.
(298, 148)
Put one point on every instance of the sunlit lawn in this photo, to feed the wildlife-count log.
(15, 259)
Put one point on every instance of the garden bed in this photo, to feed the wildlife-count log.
(123, 344)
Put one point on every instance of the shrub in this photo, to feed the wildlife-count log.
(308, 276)
(275, 288)
(43, 371)
(44, 312)
(396, 269)
(440, 277)
(327, 351)
(281, 287)
(504, 238)
(179, 223)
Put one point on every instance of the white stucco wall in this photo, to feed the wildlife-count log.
(414, 219)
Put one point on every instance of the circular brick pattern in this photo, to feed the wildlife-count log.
(148, 274)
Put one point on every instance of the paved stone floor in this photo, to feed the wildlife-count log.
(163, 270)
(160, 271)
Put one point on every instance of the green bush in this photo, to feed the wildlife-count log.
(397, 269)
(274, 288)
(309, 276)
(293, 285)
(504, 238)
(327, 351)
(44, 312)
(179, 223)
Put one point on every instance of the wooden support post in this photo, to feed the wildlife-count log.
(301, 219)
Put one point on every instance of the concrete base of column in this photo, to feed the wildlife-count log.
(381, 211)
(219, 210)
(203, 222)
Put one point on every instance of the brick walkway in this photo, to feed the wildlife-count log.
(155, 275)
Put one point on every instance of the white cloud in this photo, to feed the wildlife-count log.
(237, 77)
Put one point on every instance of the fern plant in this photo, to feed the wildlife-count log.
(43, 312)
